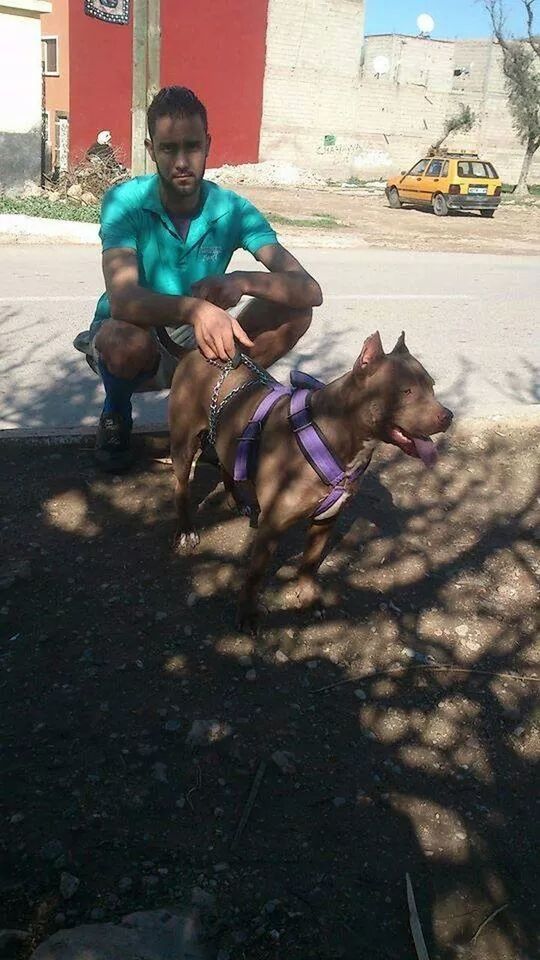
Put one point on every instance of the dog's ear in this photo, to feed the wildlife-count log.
(401, 346)
(371, 352)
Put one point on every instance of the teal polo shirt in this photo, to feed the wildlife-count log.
(133, 216)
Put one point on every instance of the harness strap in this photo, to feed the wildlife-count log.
(312, 442)
(247, 445)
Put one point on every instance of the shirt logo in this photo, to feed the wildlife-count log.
(211, 254)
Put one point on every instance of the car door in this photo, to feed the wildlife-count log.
(431, 181)
(410, 185)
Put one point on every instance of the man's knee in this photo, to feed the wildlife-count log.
(125, 349)
(301, 322)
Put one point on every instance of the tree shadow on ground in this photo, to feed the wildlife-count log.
(112, 649)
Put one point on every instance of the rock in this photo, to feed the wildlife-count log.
(12, 571)
(88, 198)
(285, 761)
(251, 676)
(97, 913)
(281, 657)
(245, 661)
(52, 850)
(17, 818)
(312, 664)
(75, 192)
(339, 801)
(205, 732)
(53, 196)
(360, 694)
(462, 630)
(149, 935)
(221, 867)
(172, 726)
(68, 885)
(160, 772)
(31, 189)
(204, 900)
(125, 884)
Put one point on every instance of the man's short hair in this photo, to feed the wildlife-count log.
(175, 102)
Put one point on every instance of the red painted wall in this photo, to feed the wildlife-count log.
(216, 47)
(100, 81)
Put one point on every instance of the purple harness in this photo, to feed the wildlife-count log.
(310, 439)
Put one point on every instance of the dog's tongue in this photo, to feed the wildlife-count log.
(426, 450)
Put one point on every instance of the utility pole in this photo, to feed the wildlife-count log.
(146, 76)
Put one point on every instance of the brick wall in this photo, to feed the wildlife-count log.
(321, 82)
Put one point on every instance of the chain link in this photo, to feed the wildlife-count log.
(225, 368)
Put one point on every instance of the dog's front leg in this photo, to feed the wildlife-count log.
(308, 590)
(182, 455)
(263, 547)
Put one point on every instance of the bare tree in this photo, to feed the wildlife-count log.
(463, 120)
(521, 66)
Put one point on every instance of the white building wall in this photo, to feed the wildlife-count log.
(20, 92)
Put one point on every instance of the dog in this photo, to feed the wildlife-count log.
(385, 398)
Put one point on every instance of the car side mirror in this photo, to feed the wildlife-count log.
(403, 172)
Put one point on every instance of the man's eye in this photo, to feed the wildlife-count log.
(405, 393)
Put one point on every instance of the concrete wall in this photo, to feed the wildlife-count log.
(321, 83)
(313, 57)
(20, 86)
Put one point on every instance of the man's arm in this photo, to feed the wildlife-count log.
(214, 329)
(286, 283)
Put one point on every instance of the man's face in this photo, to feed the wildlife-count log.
(179, 149)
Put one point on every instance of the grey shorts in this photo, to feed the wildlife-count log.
(184, 337)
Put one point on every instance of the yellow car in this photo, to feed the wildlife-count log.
(448, 181)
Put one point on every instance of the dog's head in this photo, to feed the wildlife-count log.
(398, 399)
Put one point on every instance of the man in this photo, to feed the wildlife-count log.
(167, 241)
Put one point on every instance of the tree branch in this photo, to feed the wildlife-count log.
(533, 39)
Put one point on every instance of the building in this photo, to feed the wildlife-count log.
(21, 97)
(55, 60)
(293, 81)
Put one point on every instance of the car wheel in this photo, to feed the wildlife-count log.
(440, 206)
(394, 199)
(487, 213)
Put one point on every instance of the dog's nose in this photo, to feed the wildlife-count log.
(445, 418)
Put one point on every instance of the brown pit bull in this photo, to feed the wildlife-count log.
(385, 398)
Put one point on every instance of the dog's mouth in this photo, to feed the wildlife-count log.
(422, 448)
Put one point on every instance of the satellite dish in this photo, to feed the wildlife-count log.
(425, 24)
(381, 65)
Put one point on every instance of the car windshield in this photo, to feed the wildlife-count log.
(476, 168)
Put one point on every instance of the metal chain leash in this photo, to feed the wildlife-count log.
(225, 369)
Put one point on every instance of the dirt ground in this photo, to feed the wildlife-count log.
(367, 219)
(112, 650)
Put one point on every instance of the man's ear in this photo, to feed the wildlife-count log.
(401, 346)
(372, 351)
(208, 143)
(150, 148)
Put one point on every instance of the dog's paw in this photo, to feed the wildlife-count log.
(309, 597)
(185, 541)
(247, 619)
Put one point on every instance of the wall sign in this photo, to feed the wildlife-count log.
(112, 11)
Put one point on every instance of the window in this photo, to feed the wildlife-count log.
(49, 56)
(475, 168)
(434, 169)
(418, 170)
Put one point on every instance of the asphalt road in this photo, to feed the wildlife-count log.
(471, 318)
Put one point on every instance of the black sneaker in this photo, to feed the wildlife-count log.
(113, 452)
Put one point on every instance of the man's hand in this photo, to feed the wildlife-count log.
(224, 291)
(216, 332)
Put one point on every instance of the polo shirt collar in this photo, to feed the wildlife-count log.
(214, 206)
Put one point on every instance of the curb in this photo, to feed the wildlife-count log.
(152, 437)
